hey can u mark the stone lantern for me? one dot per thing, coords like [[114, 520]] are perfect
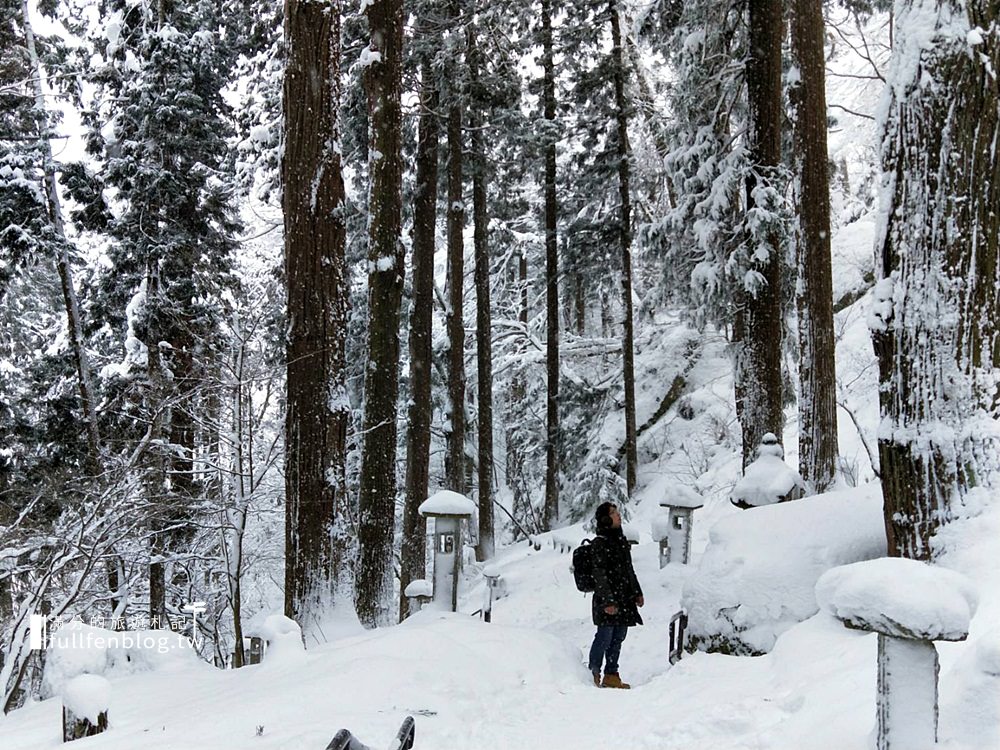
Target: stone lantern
[[674, 530], [910, 604], [768, 479], [419, 592], [448, 509]]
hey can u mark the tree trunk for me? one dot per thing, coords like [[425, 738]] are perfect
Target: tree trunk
[[317, 405], [553, 439], [74, 325], [625, 237], [377, 494], [156, 480], [455, 460], [936, 307], [817, 370], [580, 300], [421, 408], [521, 500], [484, 344], [758, 367]]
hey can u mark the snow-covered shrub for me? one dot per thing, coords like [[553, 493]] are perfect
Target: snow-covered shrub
[[78, 648], [758, 574]]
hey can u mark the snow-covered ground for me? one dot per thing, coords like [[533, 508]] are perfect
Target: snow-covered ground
[[521, 681]]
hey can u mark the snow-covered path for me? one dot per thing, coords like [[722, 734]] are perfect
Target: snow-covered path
[[521, 682]]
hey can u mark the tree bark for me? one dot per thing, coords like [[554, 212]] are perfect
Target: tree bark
[[758, 366], [377, 495], [936, 308], [418, 434], [625, 238], [317, 405], [484, 344], [553, 439], [817, 368], [455, 460]]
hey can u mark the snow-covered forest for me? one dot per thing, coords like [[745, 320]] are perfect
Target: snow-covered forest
[[325, 327]]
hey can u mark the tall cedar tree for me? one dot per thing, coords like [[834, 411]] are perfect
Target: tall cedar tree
[[172, 255], [317, 407], [553, 442], [625, 240], [758, 327], [421, 408], [481, 274], [817, 370], [455, 459], [377, 495], [938, 298]]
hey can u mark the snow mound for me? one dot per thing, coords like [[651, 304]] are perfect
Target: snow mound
[[900, 597], [758, 573], [767, 480], [87, 696], [987, 653], [77, 648]]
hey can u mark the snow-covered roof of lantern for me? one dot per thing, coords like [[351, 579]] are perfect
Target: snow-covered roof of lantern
[[659, 527], [680, 496], [631, 532], [900, 597], [447, 503], [765, 481], [665, 491], [419, 587]]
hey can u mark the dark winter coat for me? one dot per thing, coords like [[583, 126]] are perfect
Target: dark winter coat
[[614, 580]]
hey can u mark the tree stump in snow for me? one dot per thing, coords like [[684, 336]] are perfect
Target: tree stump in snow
[[75, 727], [910, 604], [85, 701]]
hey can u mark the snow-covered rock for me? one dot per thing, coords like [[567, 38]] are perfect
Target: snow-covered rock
[[758, 573], [900, 597], [87, 696]]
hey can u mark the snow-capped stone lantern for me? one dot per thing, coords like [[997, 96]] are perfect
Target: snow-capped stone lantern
[[673, 531], [448, 509], [768, 479], [419, 592], [910, 604]]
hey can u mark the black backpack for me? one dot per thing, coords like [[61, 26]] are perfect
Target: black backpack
[[583, 566]]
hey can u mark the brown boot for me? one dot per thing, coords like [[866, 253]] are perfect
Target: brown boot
[[614, 681], [597, 679]]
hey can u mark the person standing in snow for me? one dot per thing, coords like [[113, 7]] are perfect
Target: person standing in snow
[[617, 596]]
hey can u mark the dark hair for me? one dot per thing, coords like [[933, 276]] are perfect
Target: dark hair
[[602, 515]]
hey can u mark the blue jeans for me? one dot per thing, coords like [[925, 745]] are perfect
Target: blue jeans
[[606, 648]]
